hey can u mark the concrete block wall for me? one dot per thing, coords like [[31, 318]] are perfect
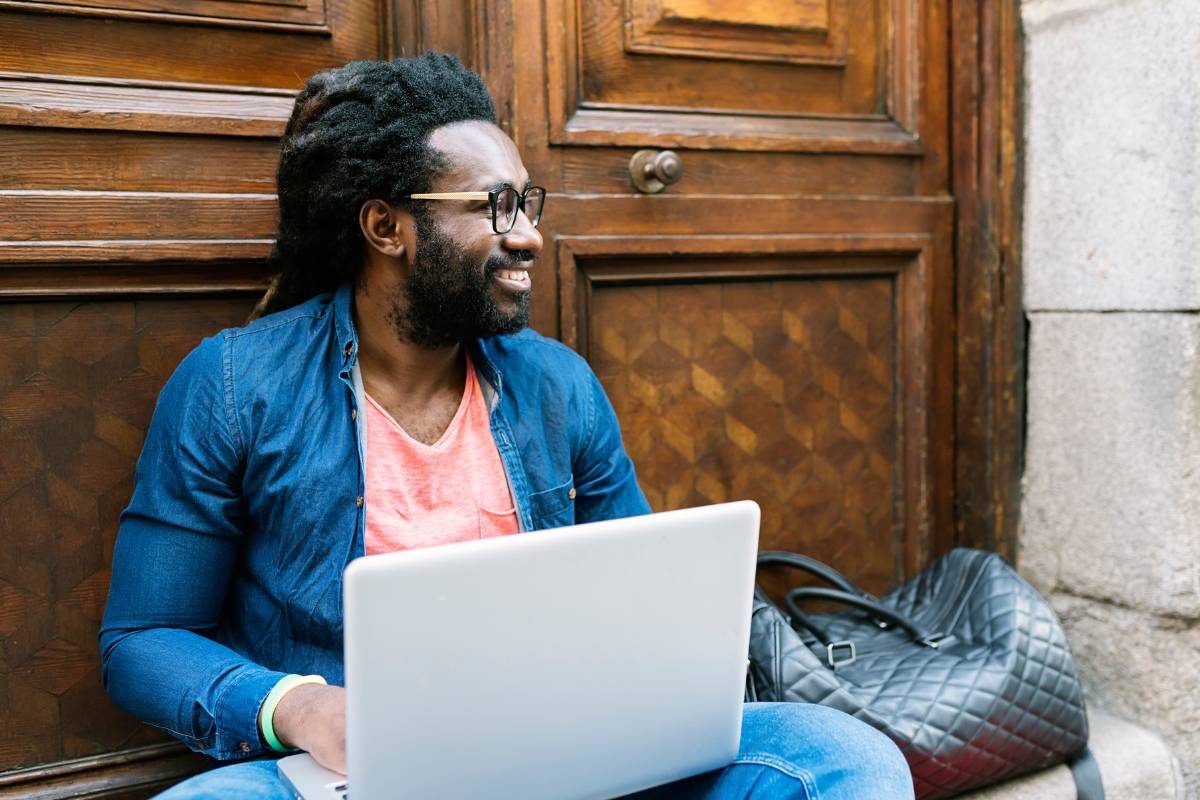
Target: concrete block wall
[[1111, 509]]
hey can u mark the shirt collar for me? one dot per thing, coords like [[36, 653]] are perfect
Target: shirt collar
[[347, 337], [485, 366], [343, 324]]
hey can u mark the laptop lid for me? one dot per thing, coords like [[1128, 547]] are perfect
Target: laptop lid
[[585, 662]]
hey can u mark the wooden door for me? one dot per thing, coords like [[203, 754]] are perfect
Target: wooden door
[[778, 324], [816, 315]]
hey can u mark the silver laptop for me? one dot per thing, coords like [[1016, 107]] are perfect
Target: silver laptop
[[586, 662]]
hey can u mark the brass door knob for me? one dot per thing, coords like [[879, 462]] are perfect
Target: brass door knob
[[654, 170]]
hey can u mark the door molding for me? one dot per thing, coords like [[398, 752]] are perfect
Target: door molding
[[986, 130]]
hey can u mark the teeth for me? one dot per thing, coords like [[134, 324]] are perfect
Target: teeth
[[513, 274]]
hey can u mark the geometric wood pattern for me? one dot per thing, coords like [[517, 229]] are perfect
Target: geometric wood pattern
[[780, 391], [78, 382], [800, 378]]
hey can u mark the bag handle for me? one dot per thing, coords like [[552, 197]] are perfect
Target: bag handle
[[813, 567], [918, 631]]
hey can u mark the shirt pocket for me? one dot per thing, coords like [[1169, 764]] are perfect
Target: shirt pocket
[[497, 523], [553, 508]]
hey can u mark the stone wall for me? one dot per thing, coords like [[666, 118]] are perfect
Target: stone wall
[[1111, 510]]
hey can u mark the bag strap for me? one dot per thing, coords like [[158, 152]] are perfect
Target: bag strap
[[1086, 773], [918, 631], [811, 566], [751, 694]]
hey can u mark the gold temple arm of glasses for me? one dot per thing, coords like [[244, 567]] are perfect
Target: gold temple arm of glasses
[[451, 196]]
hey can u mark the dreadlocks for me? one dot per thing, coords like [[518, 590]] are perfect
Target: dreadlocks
[[358, 133]]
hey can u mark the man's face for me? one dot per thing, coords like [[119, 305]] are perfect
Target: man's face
[[466, 280]]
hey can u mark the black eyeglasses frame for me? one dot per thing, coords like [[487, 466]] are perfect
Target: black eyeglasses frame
[[493, 198]]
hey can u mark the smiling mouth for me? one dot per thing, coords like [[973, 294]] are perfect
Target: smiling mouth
[[515, 280], [517, 275]]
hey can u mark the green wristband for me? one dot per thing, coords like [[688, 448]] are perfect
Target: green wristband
[[267, 717]]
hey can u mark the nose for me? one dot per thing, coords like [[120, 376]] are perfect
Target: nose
[[523, 236]]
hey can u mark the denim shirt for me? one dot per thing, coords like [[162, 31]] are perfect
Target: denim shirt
[[248, 505]]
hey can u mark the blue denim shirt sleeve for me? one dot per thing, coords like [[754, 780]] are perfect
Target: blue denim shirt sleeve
[[605, 483], [176, 553]]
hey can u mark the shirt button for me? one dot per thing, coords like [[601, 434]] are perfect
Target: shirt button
[[354, 413], [571, 494], [245, 747], [359, 501]]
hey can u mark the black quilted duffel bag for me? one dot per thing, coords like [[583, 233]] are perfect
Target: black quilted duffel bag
[[965, 667]]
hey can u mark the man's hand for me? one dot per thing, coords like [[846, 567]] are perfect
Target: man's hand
[[312, 717]]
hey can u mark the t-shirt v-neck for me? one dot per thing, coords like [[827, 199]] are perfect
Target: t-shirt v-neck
[[454, 490]]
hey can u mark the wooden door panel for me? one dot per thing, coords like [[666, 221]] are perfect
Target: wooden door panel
[[779, 391], [802, 32], [41, 227], [793, 370], [159, 46], [719, 41], [99, 103], [132, 161], [709, 218], [129, 216], [295, 14], [606, 170], [78, 382], [720, 224], [692, 73]]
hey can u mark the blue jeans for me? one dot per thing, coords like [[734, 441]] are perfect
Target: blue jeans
[[788, 750]]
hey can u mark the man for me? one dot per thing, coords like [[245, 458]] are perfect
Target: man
[[390, 398]]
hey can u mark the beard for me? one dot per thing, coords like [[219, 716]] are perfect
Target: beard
[[447, 298]]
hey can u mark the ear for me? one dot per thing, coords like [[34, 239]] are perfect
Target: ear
[[387, 229]]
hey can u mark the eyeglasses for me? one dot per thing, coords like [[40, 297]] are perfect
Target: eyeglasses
[[505, 203]]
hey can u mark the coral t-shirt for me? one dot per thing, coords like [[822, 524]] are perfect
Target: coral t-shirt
[[454, 490]]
